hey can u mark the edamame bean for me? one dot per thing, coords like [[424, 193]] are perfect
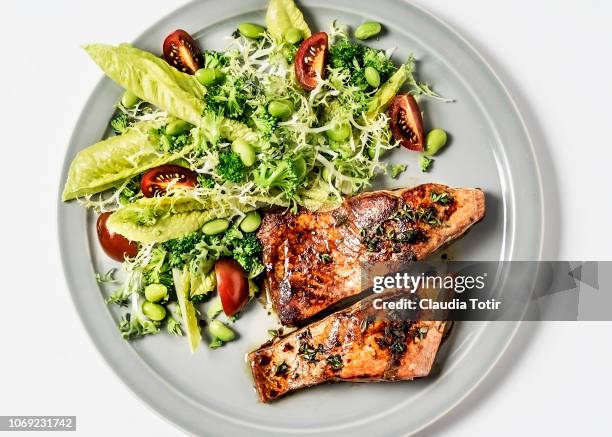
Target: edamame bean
[[221, 331], [154, 311], [129, 99], [250, 222], [367, 30], [155, 292], [436, 139], [339, 133], [372, 77], [209, 76], [251, 30], [294, 35], [176, 127], [215, 226], [280, 108], [372, 152], [245, 151]]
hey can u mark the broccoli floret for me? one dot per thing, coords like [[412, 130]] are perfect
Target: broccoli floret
[[397, 169], [214, 59], [130, 190], [281, 174], [378, 60], [344, 54], [120, 123], [425, 162], [354, 57], [247, 252], [229, 97], [264, 122], [205, 181], [179, 248], [231, 167]]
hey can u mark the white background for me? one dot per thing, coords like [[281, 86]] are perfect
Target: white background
[[554, 56]]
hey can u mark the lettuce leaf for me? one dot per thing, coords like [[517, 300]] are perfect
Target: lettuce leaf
[[188, 311], [159, 219], [282, 15], [386, 92], [152, 79], [109, 162]]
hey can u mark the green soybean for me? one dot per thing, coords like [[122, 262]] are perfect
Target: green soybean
[[367, 30], [245, 151], [251, 30], [221, 331], [372, 77], [154, 311], [209, 76], [129, 99], [436, 139], [339, 133], [294, 36], [280, 108], [155, 292], [176, 127], [215, 226], [250, 222], [372, 152]]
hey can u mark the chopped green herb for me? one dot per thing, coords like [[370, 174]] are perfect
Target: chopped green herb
[[281, 369], [441, 198], [425, 162], [335, 361]]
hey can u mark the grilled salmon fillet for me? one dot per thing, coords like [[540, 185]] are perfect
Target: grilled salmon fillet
[[315, 259], [359, 344]]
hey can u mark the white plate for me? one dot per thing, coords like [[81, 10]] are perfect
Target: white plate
[[210, 393]]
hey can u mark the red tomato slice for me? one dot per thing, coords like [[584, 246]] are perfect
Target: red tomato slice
[[406, 122], [182, 52], [232, 285], [114, 245], [311, 60], [158, 179]]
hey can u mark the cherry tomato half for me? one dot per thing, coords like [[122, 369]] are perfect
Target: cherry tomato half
[[232, 285], [311, 60], [406, 122], [158, 179], [182, 52], [115, 245]]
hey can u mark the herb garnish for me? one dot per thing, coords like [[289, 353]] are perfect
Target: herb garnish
[[281, 369], [441, 198], [324, 257], [335, 361]]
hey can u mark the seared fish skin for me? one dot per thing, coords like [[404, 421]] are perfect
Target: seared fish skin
[[314, 259], [358, 344]]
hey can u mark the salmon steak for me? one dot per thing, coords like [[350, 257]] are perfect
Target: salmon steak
[[362, 343], [315, 260]]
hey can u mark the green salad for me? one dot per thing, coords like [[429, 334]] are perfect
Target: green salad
[[206, 140]]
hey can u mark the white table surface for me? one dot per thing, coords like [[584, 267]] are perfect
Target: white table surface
[[553, 55]]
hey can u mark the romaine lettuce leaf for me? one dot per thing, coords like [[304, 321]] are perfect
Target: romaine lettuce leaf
[[386, 92], [159, 219], [282, 15], [152, 79], [109, 162], [188, 312]]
